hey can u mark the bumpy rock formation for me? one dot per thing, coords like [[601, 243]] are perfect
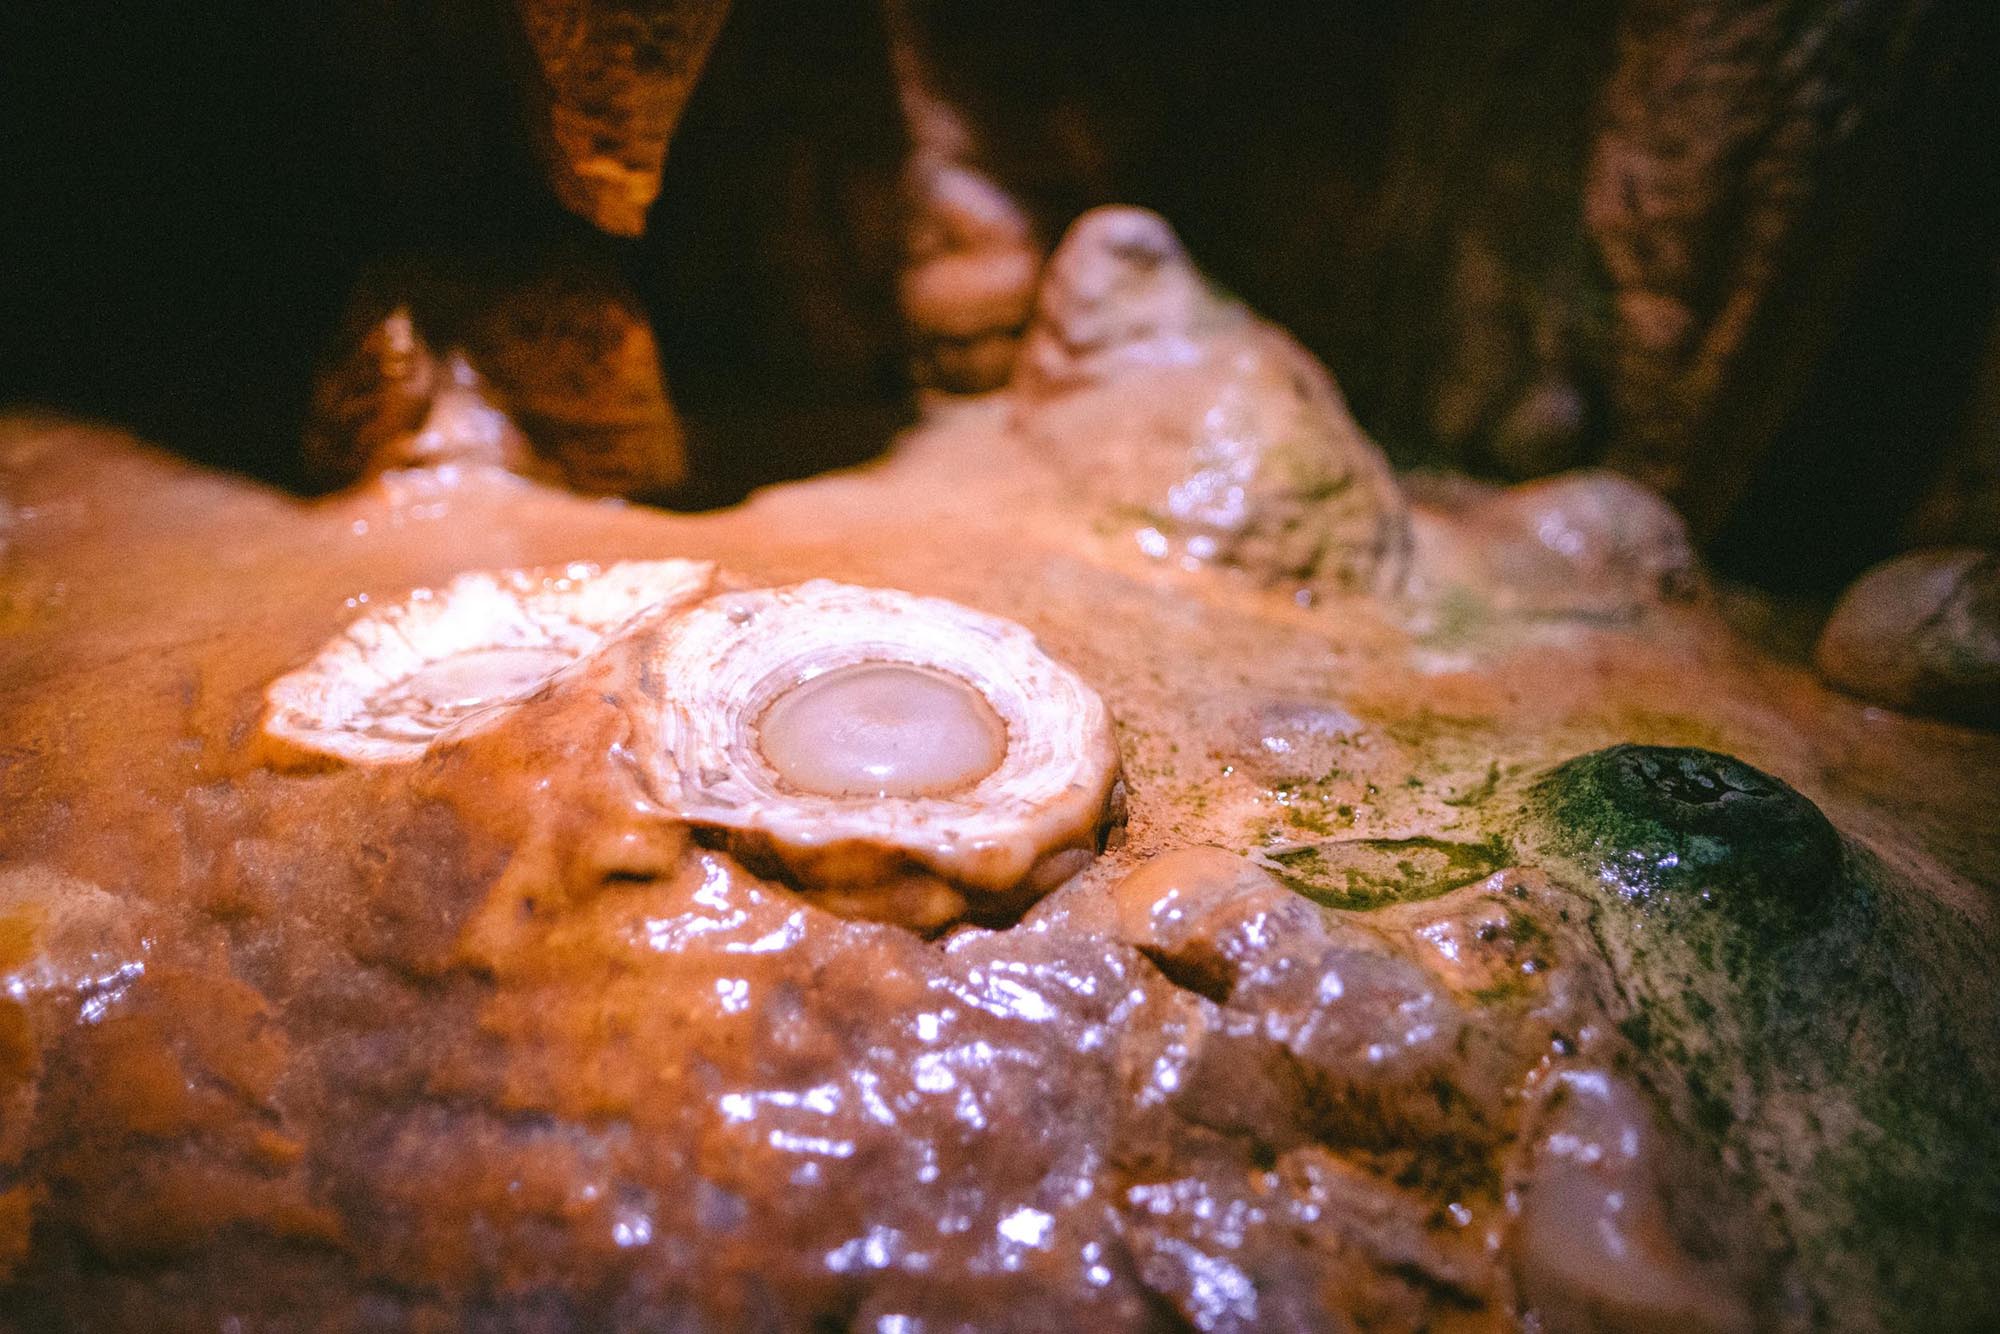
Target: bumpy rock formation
[[574, 358], [1737, 250], [1788, 997], [372, 397], [1922, 633], [1206, 431], [1596, 1241], [971, 257], [1670, 242], [548, 367], [551, 1016], [1705, 196], [1587, 541], [611, 78], [389, 403], [1665, 237]]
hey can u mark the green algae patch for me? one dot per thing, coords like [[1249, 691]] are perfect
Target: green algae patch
[[1462, 617], [1360, 874], [1696, 840], [1825, 1030], [1313, 806], [1480, 792]]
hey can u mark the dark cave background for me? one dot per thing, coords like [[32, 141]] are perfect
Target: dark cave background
[[186, 199]]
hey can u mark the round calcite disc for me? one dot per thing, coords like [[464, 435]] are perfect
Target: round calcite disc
[[882, 729]]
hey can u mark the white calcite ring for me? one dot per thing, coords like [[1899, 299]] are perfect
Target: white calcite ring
[[445, 660], [848, 733]]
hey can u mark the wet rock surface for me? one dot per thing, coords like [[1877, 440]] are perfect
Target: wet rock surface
[[1366, 1017], [1585, 541], [1827, 1033], [1207, 433]]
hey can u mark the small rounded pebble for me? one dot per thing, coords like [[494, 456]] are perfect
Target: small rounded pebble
[[1921, 633]]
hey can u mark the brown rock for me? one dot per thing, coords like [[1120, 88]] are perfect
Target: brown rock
[[1731, 148], [1590, 540], [389, 402], [545, 365], [1209, 433], [571, 355], [611, 78], [971, 256], [1921, 633], [374, 391]]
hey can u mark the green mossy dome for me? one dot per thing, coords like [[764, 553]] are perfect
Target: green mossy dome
[[1670, 824]]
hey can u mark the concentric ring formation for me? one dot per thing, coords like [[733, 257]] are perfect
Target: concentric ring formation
[[724, 664], [907, 758], [444, 660]]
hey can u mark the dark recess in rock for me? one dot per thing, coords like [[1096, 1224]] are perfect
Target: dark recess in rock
[[1745, 251]]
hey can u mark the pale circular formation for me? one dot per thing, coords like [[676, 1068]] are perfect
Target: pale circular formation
[[843, 730], [905, 754], [445, 660], [882, 730]]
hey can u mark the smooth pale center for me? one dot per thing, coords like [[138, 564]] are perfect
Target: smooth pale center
[[467, 681], [882, 729]]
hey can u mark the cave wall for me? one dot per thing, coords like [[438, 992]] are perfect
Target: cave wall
[[1745, 251]]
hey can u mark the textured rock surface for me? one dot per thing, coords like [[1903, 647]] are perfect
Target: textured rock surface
[[1207, 433], [1829, 1037], [1740, 250], [544, 364], [490, 1038], [1922, 633], [1727, 132], [610, 80], [1590, 541]]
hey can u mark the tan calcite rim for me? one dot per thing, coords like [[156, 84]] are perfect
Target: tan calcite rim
[[344, 705], [721, 664]]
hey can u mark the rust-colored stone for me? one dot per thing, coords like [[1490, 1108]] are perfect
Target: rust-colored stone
[[1728, 139], [496, 1032], [571, 355], [373, 392], [610, 79], [546, 366]]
